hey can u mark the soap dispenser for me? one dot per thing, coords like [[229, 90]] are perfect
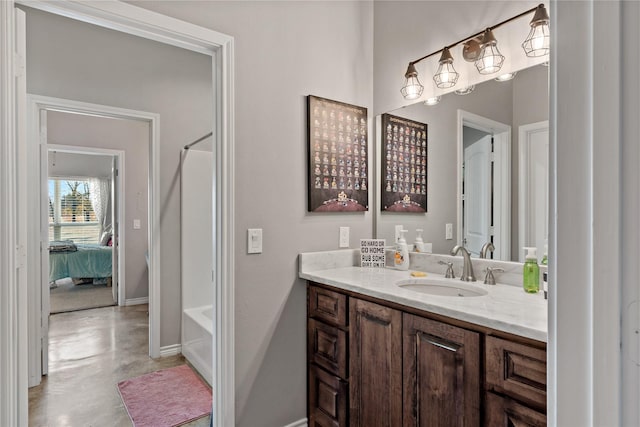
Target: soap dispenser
[[531, 272], [418, 245], [401, 256]]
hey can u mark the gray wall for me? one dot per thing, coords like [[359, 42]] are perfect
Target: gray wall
[[78, 165], [73, 60], [283, 52], [132, 137]]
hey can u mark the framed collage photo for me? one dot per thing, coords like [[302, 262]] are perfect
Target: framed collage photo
[[404, 165], [338, 156]]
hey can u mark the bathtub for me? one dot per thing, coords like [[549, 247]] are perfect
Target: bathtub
[[197, 339]]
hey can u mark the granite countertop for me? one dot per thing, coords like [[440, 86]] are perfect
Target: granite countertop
[[505, 308]]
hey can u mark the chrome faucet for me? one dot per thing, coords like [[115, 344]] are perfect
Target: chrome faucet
[[467, 267], [486, 247]]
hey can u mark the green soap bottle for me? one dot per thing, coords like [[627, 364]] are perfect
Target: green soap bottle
[[531, 272]]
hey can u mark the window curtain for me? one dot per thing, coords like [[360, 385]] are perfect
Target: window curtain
[[100, 195]]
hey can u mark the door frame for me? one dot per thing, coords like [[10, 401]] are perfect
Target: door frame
[[119, 155], [137, 21], [38, 304], [524, 184], [502, 179]]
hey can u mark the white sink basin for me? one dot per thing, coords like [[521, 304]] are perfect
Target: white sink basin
[[448, 288]]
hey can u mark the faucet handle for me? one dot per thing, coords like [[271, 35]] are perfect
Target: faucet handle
[[488, 278], [449, 274]]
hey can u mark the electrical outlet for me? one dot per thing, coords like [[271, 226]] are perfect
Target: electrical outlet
[[254, 240], [448, 231], [399, 229], [344, 237]]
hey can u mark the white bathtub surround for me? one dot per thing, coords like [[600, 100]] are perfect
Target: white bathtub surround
[[506, 307], [197, 339]]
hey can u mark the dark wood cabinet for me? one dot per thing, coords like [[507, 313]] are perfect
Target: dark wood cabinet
[[327, 398], [375, 362], [517, 370], [504, 412], [441, 374]]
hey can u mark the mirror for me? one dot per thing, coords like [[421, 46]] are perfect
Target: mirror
[[487, 163]]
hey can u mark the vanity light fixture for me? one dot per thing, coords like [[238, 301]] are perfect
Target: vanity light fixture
[[482, 49], [505, 77], [432, 101], [465, 91], [539, 38], [412, 88], [446, 76]]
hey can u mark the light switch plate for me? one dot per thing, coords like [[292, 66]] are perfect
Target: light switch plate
[[344, 237], [136, 224], [448, 231], [254, 240]]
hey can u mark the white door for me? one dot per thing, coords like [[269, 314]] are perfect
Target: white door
[[477, 195], [534, 186], [115, 206]]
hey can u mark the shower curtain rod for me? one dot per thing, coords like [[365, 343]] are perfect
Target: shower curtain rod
[[186, 147]]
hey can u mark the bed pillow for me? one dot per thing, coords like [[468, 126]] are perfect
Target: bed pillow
[[105, 238]]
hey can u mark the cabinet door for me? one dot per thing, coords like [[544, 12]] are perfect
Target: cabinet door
[[375, 364], [327, 399], [504, 412], [441, 374]]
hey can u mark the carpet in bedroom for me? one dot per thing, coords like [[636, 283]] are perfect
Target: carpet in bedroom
[[69, 297]]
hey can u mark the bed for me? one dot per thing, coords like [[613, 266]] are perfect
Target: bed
[[86, 261]]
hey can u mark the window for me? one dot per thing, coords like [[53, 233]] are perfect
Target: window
[[71, 215]]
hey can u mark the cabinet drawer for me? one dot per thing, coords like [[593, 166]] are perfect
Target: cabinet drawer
[[517, 370], [328, 306], [502, 411], [328, 347], [327, 399]]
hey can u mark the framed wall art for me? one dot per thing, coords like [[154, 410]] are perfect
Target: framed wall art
[[404, 165], [338, 156]]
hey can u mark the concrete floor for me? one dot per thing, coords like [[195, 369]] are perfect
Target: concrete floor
[[90, 351]]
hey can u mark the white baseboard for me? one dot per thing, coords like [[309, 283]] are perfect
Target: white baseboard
[[299, 423], [170, 350], [136, 301]]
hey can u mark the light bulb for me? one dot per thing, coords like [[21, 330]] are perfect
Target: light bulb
[[412, 88], [446, 76], [538, 41]]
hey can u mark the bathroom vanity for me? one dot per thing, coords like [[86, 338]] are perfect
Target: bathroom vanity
[[384, 354]]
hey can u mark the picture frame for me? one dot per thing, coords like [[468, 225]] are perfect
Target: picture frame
[[404, 165], [338, 156]]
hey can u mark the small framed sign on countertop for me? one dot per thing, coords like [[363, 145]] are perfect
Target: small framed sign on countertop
[[372, 253]]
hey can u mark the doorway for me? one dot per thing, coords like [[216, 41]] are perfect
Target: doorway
[[128, 19], [50, 121], [484, 184], [83, 197]]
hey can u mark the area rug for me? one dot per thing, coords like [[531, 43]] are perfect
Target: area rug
[[166, 398]]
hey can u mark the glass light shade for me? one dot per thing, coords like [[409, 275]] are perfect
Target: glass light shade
[[538, 41], [466, 90], [490, 59], [446, 76], [432, 101], [505, 77], [539, 38], [412, 88]]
